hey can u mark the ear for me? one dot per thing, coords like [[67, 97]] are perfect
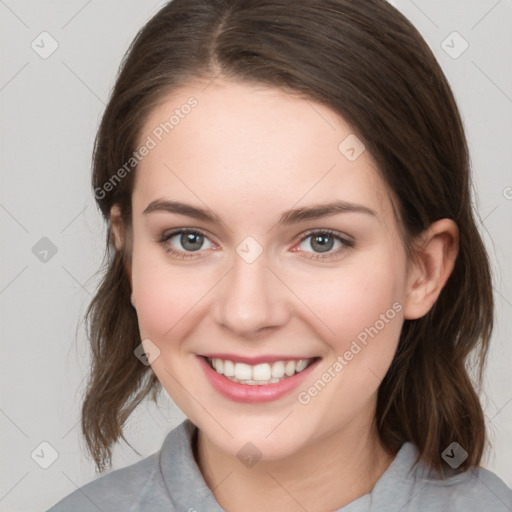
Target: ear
[[436, 254], [116, 223], [118, 236]]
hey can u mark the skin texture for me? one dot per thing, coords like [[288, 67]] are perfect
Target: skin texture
[[249, 153]]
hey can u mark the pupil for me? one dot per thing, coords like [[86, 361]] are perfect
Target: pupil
[[324, 247], [189, 239]]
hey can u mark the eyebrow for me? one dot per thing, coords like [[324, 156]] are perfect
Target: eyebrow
[[287, 218]]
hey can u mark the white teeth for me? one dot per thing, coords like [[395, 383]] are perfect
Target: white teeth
[[301, 365], [289, 369], [229, 368], [243, 371], [263, 373], [277, 370], [218, 364]]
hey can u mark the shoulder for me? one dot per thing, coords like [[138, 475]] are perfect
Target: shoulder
[[475, 490], [167, 481], [138, 486], [114, 491], [424, 489]]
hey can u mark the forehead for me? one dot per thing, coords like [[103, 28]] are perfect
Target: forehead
[[254, 147]]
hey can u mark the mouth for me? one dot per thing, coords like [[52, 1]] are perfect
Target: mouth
[[260, 374], [256, 380]]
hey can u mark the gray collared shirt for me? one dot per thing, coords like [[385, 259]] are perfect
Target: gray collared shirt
[[170, 481]]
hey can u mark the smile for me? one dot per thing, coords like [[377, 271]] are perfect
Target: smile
[[259, 374], [255, 380]]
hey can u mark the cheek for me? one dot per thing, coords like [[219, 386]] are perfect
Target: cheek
[[355, 299], [165, 294], [362, 306], [365, 312]]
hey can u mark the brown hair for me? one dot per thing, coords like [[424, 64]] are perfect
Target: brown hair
[[365, 61]]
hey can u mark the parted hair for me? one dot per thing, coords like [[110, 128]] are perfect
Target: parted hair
[[364, 60]]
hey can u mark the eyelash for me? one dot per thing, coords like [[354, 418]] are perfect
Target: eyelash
[[347, 244]]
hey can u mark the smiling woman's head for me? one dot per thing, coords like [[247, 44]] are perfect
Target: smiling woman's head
[[238, 122]]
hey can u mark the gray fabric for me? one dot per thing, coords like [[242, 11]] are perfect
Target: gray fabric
[[170, 481]]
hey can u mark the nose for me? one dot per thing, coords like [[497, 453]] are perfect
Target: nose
[[251, 299]]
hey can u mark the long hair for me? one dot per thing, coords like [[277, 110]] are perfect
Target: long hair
[[365, 61]]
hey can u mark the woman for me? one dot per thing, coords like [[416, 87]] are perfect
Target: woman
[[294, 258]]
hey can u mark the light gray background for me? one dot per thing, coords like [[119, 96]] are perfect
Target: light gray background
[[50, 110]]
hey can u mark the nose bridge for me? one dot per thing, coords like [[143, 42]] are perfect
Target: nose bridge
[[251, 298]]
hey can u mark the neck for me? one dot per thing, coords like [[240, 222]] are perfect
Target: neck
[[325, 475]]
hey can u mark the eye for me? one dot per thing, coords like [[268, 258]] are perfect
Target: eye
[[190, 240], [183, 243], [323, 241]]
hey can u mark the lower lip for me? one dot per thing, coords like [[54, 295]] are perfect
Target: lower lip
[[256, 393]]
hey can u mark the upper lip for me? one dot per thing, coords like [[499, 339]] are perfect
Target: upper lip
[[256, 359]]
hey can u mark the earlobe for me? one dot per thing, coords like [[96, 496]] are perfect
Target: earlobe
[[435, 260], [118, 238], [116, 227]]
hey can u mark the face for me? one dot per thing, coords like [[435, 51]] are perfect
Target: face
[[251, 283]]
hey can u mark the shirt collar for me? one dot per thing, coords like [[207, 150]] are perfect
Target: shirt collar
[[183, 479], [187, 489]]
